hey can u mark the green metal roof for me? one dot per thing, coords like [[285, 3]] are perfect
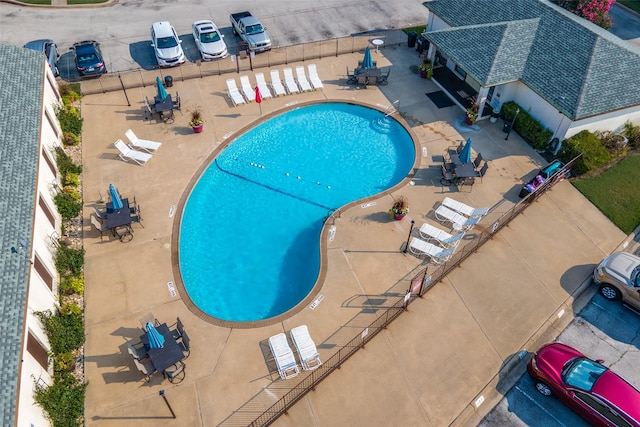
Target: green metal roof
[[580, 68], [21, 91]]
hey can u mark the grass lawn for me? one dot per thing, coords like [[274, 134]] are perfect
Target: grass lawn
[[615, 192], [45, 2]]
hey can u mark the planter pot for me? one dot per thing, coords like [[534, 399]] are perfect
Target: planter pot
[[468, 120], [198, 129], [423, 74], [398, 217]]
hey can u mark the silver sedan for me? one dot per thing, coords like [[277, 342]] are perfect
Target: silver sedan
[[208, 40], [619, 278]]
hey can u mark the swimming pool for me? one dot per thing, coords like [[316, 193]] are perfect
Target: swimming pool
[[249, 245]]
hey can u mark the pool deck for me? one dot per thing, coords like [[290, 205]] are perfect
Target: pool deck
[[428, 368]]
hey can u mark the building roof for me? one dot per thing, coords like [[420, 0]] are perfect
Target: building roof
[[565, 59], [21, 93]]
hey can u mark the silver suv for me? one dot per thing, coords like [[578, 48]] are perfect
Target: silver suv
[[166, 44], [619, 278], [50, 50]]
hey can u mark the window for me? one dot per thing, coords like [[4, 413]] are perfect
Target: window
[[460, 72], [52, 123], [603, 409], [43, 272], [45, 208], [37, 350], [49, 162]]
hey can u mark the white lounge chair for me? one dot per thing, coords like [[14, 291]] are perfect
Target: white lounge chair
[[460, 222], [289, 81], [437, 254], [276, 83], [285, 360], [248, 91], [234, 93], [127, 153], [429, 232], [306, 348], [262, 85], [302, 80], [143, 144], [314, 78], [464, 209]]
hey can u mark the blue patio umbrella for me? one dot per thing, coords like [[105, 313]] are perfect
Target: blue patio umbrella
[[162, 93], [156, 340], [367, 61], [115, 197], [465, 154]]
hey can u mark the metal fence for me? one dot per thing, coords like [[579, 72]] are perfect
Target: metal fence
[[240, 61], [420, 284]]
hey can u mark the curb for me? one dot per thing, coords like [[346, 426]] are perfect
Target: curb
[[108, 3]]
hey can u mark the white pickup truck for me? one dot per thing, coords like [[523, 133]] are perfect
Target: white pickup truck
[[248, 27]]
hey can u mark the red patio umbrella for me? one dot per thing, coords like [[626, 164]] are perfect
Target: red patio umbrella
[[259, 98]]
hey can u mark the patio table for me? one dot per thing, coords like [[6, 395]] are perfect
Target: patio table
[[164, 107], [169, 354], [119, 218]]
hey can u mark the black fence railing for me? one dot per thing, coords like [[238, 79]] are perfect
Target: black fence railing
[[419, 285]]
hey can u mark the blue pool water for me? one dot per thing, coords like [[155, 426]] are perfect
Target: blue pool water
[[249, 236]]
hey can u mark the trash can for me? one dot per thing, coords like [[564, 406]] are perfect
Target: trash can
[[421, 44], [411, 38], [506, 127], [168, 81]]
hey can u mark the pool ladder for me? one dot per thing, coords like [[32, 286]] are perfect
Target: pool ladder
[[333, 214], [393, 108]]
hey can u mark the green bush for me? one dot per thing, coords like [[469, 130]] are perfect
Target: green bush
[[67, 205], [63, 401], [594, 155], [530, 129], [70, 308], [70, 178], [69, 118], [65, 331], [70, 90], [63, 362], [632, 132], [72, 285], [69, 261], [69, 138], [65, 164]]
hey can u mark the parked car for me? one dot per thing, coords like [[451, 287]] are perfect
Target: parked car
[[89, 60], [50, 50], [586, 386], [208, 40], [619, 278], [166, 44]]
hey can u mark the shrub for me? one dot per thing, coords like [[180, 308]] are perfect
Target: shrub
[[632, 132], [69, 118], [70, 308], [70, 178], [63, 362], [69, 90], [63, 401], [72, 285], [69, 138], [68, 206], [613, 142], [69, 261], [593, 152], [530, 129], [65, 331], [65, 164]]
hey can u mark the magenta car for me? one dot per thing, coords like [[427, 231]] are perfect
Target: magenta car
[[591, 389]]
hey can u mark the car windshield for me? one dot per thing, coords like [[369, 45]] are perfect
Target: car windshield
[[582, 373], [87, 58], [635, 276], [166, 42], [254, 29], [209, 37]]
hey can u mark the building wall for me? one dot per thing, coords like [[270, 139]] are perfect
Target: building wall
[[40, 297]]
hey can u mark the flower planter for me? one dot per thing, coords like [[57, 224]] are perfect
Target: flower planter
[[423, 74], [198, 128], [399, 217], [468, 120]]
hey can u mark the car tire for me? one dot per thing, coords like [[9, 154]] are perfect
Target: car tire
[[543, 388], [610, 292]]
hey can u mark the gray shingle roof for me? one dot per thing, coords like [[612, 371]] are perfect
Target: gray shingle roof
[[21, 91], [578, 67]]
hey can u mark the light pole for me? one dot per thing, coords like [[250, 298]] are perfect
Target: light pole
[[511, 126], [406, 246]]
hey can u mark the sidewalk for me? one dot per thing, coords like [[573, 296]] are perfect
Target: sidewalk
[[428, 368]]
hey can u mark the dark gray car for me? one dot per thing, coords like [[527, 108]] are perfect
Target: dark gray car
[[50, 50]]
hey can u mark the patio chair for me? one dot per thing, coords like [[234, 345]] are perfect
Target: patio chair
[[148, 318], [384, 77], [178, 331], [301, 77], [467, 180], [314, 78], [185, 344], [175, 373], [146, 367], [248, 91], [234, 94], [447, 175], [483, 170], [137, 350], [477, 161], [127, 153], [285, 360], [276, 83], [435, 253], [459, 222], [177, 104], [464, 209], [262, 85], [102, 216], [351, 77], [429, 232], [306, 348], [142, 144], [289, 81], [147, 115], [102, 228], [361, 79]]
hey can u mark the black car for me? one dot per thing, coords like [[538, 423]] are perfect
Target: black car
[[89, 60], [50, 50]]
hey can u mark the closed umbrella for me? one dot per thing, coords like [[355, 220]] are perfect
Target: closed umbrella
[[465, 154], [259, 98], [115, 197], [162, 93], [156, 339], [367, 61]]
